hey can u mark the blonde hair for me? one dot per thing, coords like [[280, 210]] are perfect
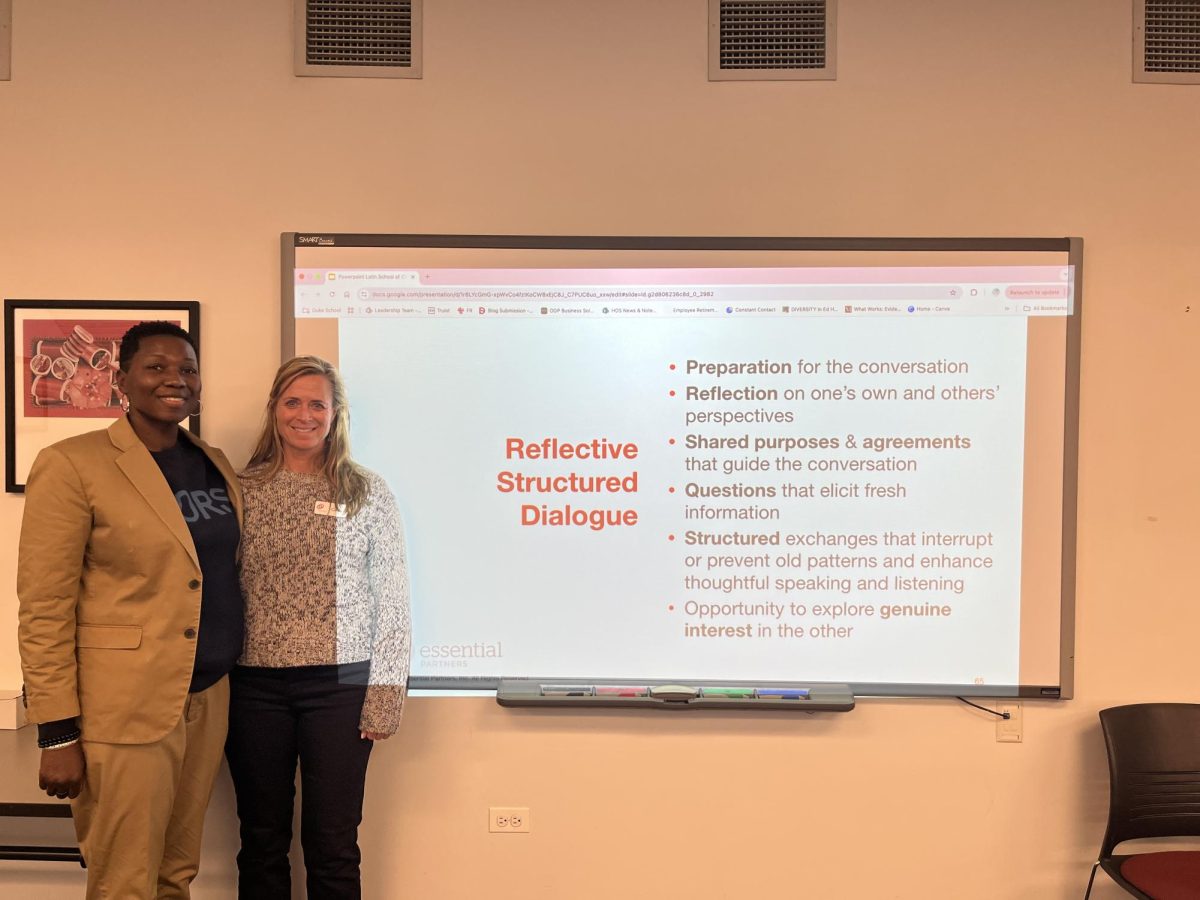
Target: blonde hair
[[345, 477]]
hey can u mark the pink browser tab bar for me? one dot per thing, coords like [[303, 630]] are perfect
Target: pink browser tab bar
[[1036, 291]]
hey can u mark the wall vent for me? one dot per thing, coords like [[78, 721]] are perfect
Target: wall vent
[[358, 38], [1166, 41], [5, 40], [769, 40]]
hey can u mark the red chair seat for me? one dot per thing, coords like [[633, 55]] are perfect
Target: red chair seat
[[1172, 875]]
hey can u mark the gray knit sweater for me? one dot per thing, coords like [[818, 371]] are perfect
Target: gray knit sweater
[[323, 589]]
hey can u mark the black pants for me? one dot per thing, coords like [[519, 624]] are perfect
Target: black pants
[[279, 716]]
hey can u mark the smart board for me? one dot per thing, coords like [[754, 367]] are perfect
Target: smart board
[[717, 460]]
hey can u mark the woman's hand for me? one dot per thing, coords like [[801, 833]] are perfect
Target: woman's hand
[[62, 770], [374, 736]]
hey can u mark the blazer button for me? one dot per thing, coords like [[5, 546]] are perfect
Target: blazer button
[[193, 584], [189, 633]]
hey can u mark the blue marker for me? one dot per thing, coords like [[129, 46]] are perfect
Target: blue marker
[[781, 693]]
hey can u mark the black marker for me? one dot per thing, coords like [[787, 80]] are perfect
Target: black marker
[[567, 690]]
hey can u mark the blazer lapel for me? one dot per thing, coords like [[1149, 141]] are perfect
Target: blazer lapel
[[146, 477]]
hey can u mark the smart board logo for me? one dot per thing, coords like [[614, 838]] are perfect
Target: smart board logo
[[315, 239]]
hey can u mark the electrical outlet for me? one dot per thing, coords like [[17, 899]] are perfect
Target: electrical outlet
[[1008, 731], [509, 819]]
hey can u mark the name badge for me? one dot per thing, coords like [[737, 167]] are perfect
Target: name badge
[[324, 508]]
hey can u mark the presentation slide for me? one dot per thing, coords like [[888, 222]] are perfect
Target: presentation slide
[[733, 474]]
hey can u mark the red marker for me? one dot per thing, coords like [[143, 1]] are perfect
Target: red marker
[[622, 690]]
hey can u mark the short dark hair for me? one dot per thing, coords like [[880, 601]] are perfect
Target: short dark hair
[[132, 339]]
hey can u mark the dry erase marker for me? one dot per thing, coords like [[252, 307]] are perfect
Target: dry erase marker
[[781, 693], [727, 693], [622, 690], [566, 690]]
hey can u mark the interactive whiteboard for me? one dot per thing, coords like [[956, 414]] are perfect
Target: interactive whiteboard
[[717, 459]]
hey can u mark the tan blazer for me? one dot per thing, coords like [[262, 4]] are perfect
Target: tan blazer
[[109, 587]]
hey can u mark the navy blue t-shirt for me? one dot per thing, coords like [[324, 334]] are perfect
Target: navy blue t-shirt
[[203, 498]]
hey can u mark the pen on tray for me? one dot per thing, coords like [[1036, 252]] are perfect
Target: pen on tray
[[566, 690], [622, 690], [727, 693], [781, 693]]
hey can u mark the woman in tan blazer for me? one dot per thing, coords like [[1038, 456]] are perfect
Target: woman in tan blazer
[[130, 620]]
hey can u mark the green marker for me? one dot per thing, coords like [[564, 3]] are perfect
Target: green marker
[[727, 693]]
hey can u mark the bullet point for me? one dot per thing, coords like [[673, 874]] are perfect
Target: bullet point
[[670, 490], [670, 607], [672, 367], [672, 393], [670, 440], [670, 537]]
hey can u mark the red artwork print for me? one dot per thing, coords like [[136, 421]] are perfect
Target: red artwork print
[[69, 365]]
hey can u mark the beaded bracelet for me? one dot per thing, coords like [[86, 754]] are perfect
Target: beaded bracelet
[[65, 740]]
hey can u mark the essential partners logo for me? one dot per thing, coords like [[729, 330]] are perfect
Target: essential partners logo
[[458, 656]]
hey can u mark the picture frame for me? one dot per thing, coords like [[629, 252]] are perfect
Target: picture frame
[[59, 358]]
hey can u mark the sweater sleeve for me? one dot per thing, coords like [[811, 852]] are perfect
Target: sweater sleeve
[[387, 575]]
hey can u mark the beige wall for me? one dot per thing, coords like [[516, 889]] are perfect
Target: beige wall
[[156, 148]]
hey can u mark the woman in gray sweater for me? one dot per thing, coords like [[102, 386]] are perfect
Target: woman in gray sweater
[[325, 665]]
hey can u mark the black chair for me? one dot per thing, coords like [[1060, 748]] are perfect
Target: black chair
[[1154, 791]]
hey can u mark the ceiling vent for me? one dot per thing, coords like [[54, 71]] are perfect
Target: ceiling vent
[[358, 38], [770, 40], [1166, 41], [5, 40]]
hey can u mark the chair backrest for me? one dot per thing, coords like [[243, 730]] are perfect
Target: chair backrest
[[1154, 771]]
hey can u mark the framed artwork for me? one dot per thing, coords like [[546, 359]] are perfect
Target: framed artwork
[[59, 360]]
